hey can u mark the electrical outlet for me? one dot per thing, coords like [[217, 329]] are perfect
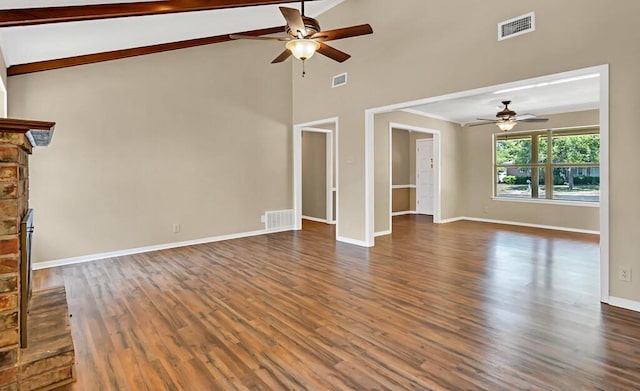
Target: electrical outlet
[[263, 219], [176, 228], [624, 273]]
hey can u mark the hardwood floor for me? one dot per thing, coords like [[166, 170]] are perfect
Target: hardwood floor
[[460, 306]]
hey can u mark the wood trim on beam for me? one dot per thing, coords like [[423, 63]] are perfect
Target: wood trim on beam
[[48, 65], [32, 16], [14, 125]]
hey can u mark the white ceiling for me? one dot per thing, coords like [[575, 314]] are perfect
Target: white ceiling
[[551, 96], [26, 44]]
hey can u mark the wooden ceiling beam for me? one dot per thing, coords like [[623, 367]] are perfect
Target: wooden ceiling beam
[[124, 53], [33, 16]]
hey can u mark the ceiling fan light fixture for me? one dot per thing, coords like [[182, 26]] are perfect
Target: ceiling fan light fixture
[[505, 126], [302, 49]]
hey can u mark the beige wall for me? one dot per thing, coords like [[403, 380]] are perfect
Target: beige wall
[[400, 146], [314, 174], [401, 200], [450, 144], [477, 149], [200, 137], [455, 49]]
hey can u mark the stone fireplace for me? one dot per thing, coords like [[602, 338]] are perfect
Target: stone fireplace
[[36, 349], [26, 270]]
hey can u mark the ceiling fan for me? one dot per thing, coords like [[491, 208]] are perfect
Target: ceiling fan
[[506, 119], [304, 37]]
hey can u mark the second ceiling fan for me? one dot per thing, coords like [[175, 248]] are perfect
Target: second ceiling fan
[[506, 118], [304, 37]]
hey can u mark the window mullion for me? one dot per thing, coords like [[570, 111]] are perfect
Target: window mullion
[[548, 179], [535, 181]]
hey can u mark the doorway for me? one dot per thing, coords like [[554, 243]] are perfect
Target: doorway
[[328, 129], [521, 85], [317, 175], [404, 174]]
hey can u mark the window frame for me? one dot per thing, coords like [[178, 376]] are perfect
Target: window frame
[[548, 166]]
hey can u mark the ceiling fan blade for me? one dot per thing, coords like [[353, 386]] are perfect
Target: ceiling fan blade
[[522, 117], [333, 53], [487, 119], [240, 36], [345, 32], [294, 20], [534, 120], [283, 56], [487, 122]]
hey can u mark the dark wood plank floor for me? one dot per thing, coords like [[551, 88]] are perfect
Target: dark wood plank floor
[[461, 306]]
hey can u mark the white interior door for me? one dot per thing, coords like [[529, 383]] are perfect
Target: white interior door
[[424, 176]]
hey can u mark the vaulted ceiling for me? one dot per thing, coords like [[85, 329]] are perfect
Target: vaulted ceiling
[[47, 34], [38, 35]]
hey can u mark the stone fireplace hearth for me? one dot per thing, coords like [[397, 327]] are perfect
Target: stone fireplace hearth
[[36, 348]]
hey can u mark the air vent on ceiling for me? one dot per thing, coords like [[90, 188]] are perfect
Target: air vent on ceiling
[[517, 26], [339, 80]]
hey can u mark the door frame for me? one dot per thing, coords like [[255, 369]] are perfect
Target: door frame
[[329, 176], [437, 206], [314, 126]]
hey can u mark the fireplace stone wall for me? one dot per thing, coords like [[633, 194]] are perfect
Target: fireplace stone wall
[[47, 360], [14, 195]]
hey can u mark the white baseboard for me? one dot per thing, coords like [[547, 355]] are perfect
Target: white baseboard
[[94, 257], [316, 219], [505, 222], [404, 212], [356, 242], [451, 220], [624, 303], [382, 233], [553, 227], [139, 250]]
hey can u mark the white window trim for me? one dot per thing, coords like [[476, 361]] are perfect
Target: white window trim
[[547, 202]]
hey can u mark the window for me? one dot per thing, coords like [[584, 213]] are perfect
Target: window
[[557, 164]]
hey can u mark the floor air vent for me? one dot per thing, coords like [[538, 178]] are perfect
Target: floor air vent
[[517, 26], [279, 219]]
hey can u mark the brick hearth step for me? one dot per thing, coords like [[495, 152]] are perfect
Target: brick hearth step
[[48, 361]]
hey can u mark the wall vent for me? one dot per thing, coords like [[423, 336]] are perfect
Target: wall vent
[[339, 80], [279, 219], [517, 26]]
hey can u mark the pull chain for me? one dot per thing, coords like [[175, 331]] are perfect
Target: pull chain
[[303, 70]]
